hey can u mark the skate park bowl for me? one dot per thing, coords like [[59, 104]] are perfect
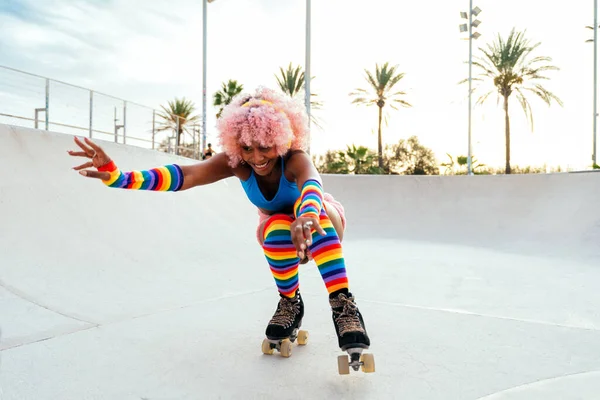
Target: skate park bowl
[[471, 287]]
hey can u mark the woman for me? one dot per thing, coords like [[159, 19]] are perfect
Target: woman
[[208, 152], [263, 141]]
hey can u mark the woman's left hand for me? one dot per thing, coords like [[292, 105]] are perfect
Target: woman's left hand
[[302, 233]]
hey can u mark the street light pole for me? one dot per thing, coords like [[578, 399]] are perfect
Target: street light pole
[[204, 18], [469, 164], [307, 69], [595, 123], [469, 28]]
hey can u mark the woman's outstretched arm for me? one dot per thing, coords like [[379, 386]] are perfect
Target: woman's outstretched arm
[[166, 178]]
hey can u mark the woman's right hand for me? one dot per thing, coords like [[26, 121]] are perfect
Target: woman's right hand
[[301, 230], [97, 156]]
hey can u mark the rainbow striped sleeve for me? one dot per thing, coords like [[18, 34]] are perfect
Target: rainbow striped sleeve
[[311, 199], [163, 179]]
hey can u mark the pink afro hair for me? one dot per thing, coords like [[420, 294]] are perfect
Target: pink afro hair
[[268, 118]]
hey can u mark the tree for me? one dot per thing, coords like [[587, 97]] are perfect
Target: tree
[[178, 117], [228, 91], [409, 157], [355, 160], [362, 160], [333, 162], [507, 65], [380, 93], [462, 162], [291, 82], [406, 157]]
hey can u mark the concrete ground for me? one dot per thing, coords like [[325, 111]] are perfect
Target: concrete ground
[[472, 287]]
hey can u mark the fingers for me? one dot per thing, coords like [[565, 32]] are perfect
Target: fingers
[[88, 164], [297, 236], [308, 226], [93, 145], [88, 151], [77, 153], [302, 233], [319, 228], [301, 250], [99, 157], [95, 174], [298, 239], [95, 153], [306, 231]]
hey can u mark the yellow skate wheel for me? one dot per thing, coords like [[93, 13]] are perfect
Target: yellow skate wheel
[[368, 363], [343, 365], [302, 337], [266, 347], [286, 348]]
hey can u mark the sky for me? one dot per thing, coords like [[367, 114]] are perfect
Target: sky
[[151, 52]]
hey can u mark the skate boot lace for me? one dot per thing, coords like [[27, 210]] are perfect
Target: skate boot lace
[[286, 312], [347, 320]]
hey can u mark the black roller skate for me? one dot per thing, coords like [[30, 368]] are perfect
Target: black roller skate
[[284, 327], [352, 334]]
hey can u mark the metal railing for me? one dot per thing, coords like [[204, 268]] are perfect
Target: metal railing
[[36, 101]]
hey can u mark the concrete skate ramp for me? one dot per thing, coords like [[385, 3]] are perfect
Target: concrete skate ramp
[[471, 287]]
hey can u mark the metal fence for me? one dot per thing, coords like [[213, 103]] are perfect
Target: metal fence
[[31, 100]]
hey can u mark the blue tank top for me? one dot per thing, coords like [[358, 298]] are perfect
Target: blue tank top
[[286, 195]]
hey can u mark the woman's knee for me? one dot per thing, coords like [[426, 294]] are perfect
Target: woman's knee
[[336, 220], [261, 231]]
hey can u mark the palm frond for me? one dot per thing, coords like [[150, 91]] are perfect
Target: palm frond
[[359, 92], [401, 102], [373, 82], [545, 94], [525, 106], [484, 97], [364, 100], [539, 59], [488, 70], [226, 94], [291, 80]]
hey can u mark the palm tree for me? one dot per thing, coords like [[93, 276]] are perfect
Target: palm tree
[[224, 96], [177, 117], [291, 82], [507, 65], [380, 93]]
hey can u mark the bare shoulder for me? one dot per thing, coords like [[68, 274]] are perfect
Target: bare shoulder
[[298, 160], [301, 166], [298, 156]]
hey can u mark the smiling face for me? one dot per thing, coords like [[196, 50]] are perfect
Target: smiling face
[[262, 159]]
